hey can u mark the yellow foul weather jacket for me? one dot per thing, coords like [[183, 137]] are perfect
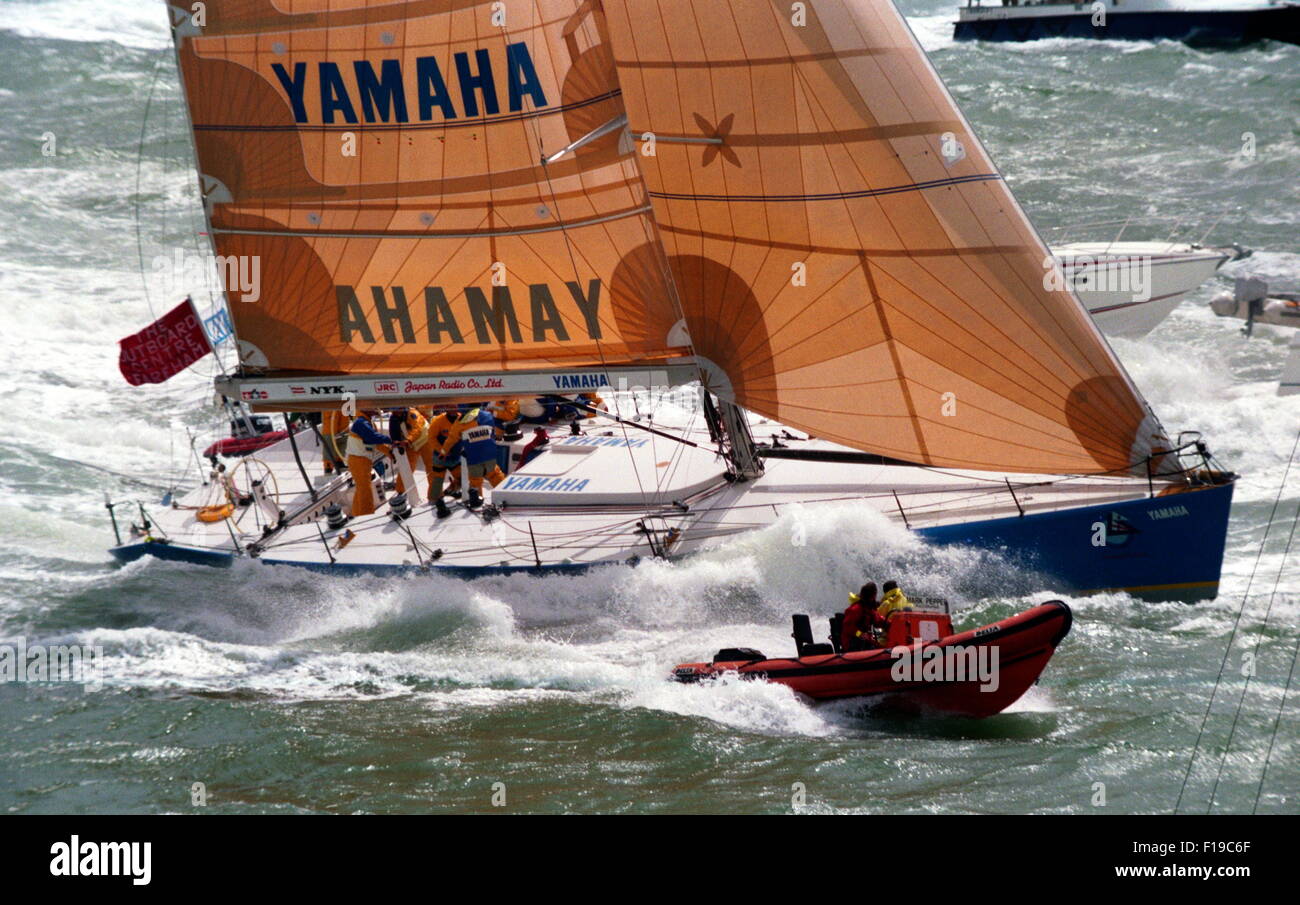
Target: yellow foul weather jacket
[[893, 602]]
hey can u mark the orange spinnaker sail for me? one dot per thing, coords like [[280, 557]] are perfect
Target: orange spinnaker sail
[[381, 162], [846, 253]]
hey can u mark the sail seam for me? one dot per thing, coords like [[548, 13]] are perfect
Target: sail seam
[[409, 234], [890, 344], [398, 127], [833, 196]]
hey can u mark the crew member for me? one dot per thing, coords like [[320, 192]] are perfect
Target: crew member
[[857, 632], [365, 445], [334, 438], [892, 602], [538, 410], [439, 464], [592, 401], [506, 411], [473, 437], [411, 426]]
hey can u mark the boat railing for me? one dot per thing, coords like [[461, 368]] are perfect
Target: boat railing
[[1149, 230], [1189, 461]]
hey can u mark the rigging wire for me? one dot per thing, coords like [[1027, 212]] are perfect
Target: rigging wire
[[1191, 762], [139, 180], [1277, 721], [1259, 638], [1227, 748], [216, 365], [1255, 655]]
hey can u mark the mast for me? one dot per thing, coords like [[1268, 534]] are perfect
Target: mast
[[729, 428], [738, 442]]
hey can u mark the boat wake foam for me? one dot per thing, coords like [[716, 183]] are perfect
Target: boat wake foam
[[609, 636]]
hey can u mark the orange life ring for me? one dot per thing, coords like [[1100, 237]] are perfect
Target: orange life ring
[[215, 513]]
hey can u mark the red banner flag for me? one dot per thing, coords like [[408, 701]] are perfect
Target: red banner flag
[[165, 347]]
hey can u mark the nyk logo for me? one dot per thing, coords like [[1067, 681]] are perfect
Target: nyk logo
[[103, 859], [327, 391]]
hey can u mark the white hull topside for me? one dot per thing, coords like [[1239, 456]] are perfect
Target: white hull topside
[[613, 494], [1130, 287]]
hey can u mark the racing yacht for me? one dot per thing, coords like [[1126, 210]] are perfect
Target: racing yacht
[[454, 204]]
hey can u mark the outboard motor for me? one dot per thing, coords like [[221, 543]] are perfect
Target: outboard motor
[[837, 632], [803, 638], [737, 654], [250, 426]]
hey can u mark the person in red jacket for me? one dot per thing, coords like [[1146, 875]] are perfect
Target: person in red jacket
[[860, 619]]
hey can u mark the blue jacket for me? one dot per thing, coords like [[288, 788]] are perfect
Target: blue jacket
[[366, 431], [477, 440]]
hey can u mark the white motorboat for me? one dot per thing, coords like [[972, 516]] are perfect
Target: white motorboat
[[1130, 287]]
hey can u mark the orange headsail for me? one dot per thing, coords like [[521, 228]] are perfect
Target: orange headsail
[[381, 162], [845, 253]]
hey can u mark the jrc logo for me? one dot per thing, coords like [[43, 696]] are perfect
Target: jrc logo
[[1113, 532], [387, 386]]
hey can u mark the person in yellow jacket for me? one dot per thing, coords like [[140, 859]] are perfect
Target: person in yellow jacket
[[365, 445], [334, 437], [422, 434], [893, 601], [505, 410]]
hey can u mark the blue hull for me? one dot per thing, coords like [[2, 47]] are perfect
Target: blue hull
[[1200, 29], [1166, 548], [131, 552]]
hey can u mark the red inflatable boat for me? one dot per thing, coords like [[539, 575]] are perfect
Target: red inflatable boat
[[242, 446], [923, 668]]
